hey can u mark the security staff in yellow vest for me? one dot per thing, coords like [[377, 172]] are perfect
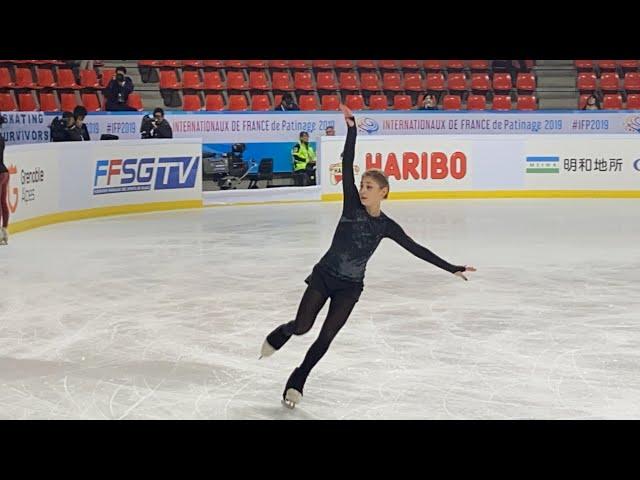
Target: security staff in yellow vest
[[304, 162]]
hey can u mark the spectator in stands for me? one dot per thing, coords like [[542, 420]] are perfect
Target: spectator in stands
[[117, 92], [429, 103], [304, 162], [330, 131], [78, 131], [287, 103], [592, 103], [161, 127]]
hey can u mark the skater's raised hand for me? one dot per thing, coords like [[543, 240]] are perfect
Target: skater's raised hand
[[348, 115], [466, 269]]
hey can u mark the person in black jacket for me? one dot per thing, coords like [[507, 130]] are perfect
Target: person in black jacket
[[287, 103], [60, 128], [78, 132], [340, 272], [161, 127], [117, 92]]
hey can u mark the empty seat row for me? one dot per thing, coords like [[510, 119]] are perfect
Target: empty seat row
[[45, 78], [57, 101]]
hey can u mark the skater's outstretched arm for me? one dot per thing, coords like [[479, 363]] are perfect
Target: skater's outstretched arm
[[397, 234], [349, 190]]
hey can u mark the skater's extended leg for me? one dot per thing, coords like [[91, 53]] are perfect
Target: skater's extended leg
[[310, 305], [339, 311]]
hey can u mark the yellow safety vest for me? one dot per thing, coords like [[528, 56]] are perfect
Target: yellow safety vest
[[302, 155]]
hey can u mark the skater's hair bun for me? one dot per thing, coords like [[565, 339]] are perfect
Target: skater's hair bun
[[379, 177]]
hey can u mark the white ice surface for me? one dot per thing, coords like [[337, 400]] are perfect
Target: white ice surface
[[162, 315]]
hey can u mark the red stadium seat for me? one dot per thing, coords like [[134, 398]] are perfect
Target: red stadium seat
[[278, 64], [413, 82], [410, 64], [191, 80], [435, 82], [193, 63], [213, 80], [281, 81], [105, 77], [257, 64], [632, 82], [370, 81], [236, 81], [26, 102], [480, 82], [479, 66], [260, 103], [148, 63], [344, 65], [330, 102], [322, 64], [433, 65], [24, 78], [213, 64], [258, 81], [402, 102], [378, 102], [235, 64], [135, 101], [7, 103], [46, 80], [583, 100], [586, 82], [455, 65], [349, 81], [214, 102], [355, 102], [308, 102], [191, 102], [391, 81], [609, 82], [169, 63], [633, 102], [5, 78], [68, 101], [583, 65], [388, 64], [238, 102], [476, 102], [451, 102], [326, 81], [527, 102], [456, 82], [501, 102], [607, 65], [612, 102], [168, 79], [366, 64], [48, 102], [526, 82], [303, 81], [91, 102], [88, 78], [299, 64], [502, 82]]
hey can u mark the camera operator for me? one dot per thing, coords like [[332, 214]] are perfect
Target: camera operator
[[117, 92], [157, 127], [78, 131], [60, 128]]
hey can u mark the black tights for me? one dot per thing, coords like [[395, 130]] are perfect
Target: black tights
[[312, 302]]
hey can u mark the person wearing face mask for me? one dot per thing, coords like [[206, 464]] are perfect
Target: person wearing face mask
[[118, 91], [304, 162], [78, 131]]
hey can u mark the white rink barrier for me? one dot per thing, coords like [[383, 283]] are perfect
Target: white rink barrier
[[475, 166], [57, 182]]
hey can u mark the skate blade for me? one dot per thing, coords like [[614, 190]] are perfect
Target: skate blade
[[267, 350]]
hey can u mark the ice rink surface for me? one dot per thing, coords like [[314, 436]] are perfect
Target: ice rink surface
[[162, 315]]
